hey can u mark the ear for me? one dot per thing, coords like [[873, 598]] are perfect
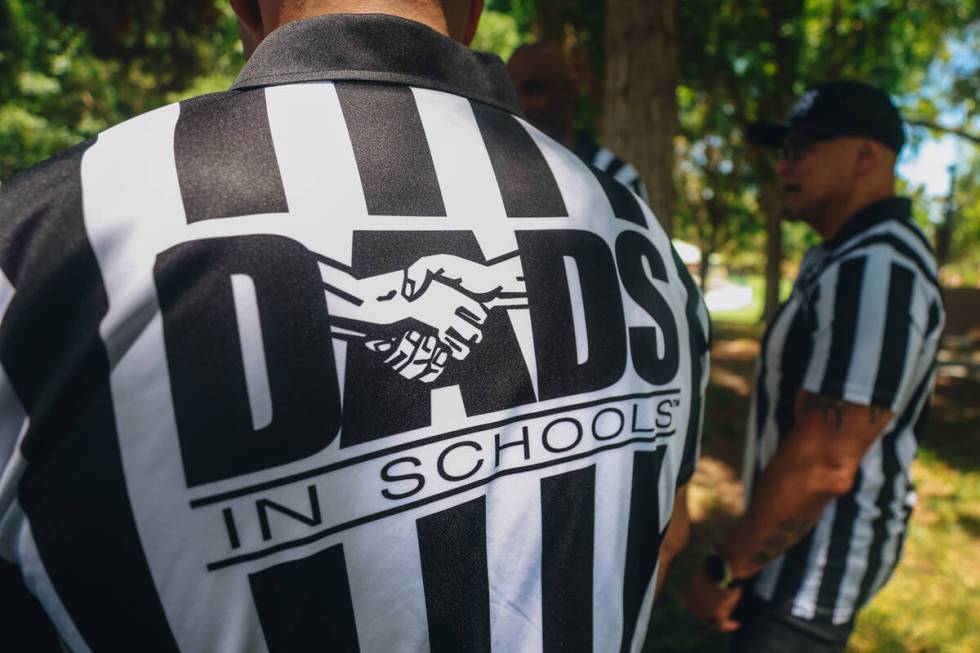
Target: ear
[[249, 16], [476, 9], [868, 157]]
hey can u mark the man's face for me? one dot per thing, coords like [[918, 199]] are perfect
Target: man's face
[[816, 174], [545, 94]]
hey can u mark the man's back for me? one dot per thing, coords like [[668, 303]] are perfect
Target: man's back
[[348, 354]]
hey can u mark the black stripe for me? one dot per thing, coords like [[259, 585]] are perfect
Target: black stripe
[[614, 166], [392, 152], [453, 551], [793, 569], [762, 399], [567, 540], [527, 185], [643, 537], [898, 245], [847, 300], [699, 345], [306, 604], [797, 348], [73, 489], [225, 157], [841, 533], [891, 364], [934, 316], [891, 467], [624, 205], [24, 620]]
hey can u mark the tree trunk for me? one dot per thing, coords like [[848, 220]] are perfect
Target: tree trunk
[[640, 105], [770, 202]]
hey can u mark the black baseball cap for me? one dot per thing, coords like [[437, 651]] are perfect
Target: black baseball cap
[[841, 108]]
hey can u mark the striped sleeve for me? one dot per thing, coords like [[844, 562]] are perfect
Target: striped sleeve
[[699, 332], [871, 312]]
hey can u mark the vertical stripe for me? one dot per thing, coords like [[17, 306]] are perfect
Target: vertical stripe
[[453, 550], [847, 298], [805, 600], [890, 469], [862, 533], [527, 185], [793, 569], [624, 205], [821, 307], [392, 153], [891, 366], [698, 346], [844, 518], [797, 347], [306, 603], [73, 489], [226, 162], [568, 523], [642, 539], [514, 539], [386, 585], [612, 482], [869, 326]]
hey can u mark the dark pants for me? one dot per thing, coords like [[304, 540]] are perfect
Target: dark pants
[[771, 628]]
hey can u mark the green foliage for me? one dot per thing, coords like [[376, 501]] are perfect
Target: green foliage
[[71, 68], [750, 59], [499, 33]]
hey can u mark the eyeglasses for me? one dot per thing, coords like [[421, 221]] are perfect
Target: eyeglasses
[[797, 146]]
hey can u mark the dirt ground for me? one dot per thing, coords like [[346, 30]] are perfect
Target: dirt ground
[[716, 490]]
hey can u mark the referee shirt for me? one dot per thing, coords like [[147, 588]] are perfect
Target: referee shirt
[[349, 356], [863, 324], [606, 160]]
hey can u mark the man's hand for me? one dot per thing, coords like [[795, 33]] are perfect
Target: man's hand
[[711, 604], [413, 356], [371, 306], [500, 284]]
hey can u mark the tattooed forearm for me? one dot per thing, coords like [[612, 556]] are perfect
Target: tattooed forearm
[[876, 414], [829, 408], [790, 530]]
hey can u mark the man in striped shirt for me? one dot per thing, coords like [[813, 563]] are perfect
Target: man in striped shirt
[[844, 379], [348, 357], [547, 93]]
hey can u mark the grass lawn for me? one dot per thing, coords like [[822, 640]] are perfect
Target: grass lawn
[[932, 603]]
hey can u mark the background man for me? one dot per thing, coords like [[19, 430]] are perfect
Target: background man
[[547, 93], [843, 385], [349, 357]]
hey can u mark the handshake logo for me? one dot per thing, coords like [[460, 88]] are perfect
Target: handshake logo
[[419, 318]]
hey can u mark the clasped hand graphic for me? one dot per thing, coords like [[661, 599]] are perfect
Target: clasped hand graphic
[[418, 318]]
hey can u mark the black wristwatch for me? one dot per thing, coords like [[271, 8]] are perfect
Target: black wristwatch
[[719, 572]]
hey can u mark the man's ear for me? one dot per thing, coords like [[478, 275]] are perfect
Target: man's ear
[[476, 9], [250, 27], [869, 156]]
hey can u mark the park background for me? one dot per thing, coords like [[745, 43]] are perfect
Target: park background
[[669, 85]]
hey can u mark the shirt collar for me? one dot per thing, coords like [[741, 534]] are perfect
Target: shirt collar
[[377, 48], [890, 208]]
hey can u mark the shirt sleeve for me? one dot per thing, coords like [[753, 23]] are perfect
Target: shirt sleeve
[[699, 332], [869, 314]]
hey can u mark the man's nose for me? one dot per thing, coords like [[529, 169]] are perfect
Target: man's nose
[[784, 166]]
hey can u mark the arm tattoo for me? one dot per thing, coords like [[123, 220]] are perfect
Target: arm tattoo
[[876, 413], [826, 406], [790, 530]]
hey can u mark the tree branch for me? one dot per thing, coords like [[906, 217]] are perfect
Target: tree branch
[[962, 133]]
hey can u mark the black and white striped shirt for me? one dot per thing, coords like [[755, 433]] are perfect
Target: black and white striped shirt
[[863, 324], [348, 356], [604, 159]]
